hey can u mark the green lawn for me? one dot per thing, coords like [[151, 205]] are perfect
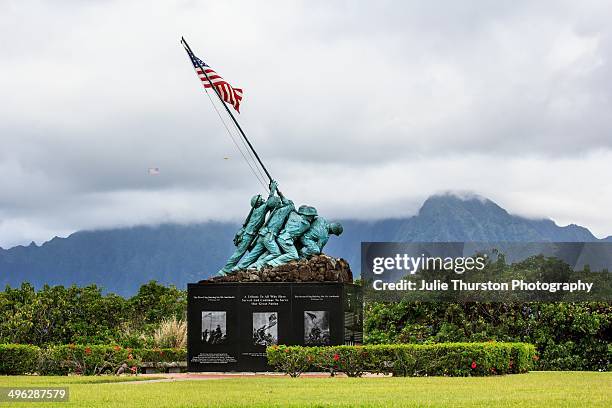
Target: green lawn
[[535, 389]]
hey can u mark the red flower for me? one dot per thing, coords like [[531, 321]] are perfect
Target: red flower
[[511, 364], [133, 369], [87, 350], [161, 352], [116, 348], [336, 357], [474, 364], [536, 358]]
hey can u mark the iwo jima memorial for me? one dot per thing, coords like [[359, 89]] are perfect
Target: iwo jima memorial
[[277, 287]]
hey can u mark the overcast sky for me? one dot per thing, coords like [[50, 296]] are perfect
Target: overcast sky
[[362, 109]]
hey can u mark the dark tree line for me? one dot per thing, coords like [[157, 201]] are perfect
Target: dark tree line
[[84, 315]]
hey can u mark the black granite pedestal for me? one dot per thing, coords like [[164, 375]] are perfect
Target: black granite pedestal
[[230, 324]]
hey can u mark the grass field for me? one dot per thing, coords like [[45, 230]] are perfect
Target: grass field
[[537, 389]]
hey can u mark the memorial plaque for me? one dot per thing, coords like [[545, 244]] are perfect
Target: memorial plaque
[[231, 324], [213, 328], [319, 308], [265, 313]]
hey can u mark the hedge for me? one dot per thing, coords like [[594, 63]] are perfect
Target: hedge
[[448, 359], [18, 359], [444, 359], [567, 336]]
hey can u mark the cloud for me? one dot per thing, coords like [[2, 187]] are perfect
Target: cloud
[[362, 109]]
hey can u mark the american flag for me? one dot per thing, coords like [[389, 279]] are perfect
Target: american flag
[[228, 93]]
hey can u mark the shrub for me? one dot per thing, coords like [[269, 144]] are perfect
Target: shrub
[[351, 360], [171, 333], [160, 356], [290, 360], [18, 359], [447, 359], [97, 359], [86, 360], [56, 315], [568, 336]]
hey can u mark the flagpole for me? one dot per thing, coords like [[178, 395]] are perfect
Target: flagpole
[[190, 54]]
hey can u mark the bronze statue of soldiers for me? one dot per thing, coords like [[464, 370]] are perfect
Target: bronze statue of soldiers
[[296, 225], [265, 245], [317, 236], [256, 218]]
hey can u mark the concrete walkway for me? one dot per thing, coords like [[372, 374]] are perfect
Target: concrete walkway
[[171, 377]]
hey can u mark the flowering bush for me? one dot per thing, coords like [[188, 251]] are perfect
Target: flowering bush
[[290, 360], [351, 360], [446, 359]]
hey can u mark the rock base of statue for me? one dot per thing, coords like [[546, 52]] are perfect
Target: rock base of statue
[[318, 268], [232, 319]]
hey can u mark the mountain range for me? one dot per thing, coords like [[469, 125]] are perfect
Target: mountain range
[[122, 259]]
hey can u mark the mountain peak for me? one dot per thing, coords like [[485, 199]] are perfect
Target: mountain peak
[[450, 203]]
